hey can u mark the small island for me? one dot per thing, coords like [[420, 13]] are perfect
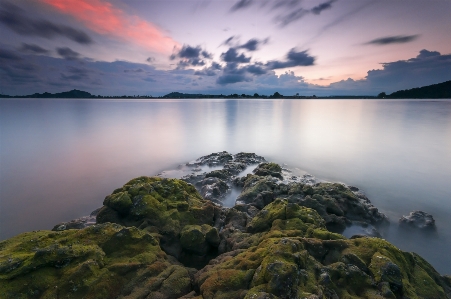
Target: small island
[[158, 237]]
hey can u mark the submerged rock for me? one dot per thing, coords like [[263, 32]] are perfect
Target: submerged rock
[[418, 219]]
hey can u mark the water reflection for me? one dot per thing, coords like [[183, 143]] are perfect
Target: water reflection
[[60, 158]]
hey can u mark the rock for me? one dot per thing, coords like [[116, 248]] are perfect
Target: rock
[[100, 261], [165, 206], [199, 239], [418, 219], [213, 188], [78, 223], [213, 159], [272, 169], [159, 238]]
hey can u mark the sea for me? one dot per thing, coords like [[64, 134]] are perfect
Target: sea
[[59, 158]]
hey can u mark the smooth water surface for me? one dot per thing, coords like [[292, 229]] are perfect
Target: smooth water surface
[[60, 158]]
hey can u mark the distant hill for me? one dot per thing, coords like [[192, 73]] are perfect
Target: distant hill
[[66, 94], [436, 91], [73, 94], [179, 95]]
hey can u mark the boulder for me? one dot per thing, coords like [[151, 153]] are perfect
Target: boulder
[[419, 220]]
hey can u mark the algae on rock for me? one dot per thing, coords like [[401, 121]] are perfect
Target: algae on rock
[[276, 243]]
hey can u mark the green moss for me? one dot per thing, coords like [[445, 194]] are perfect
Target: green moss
[[96, 262], [281, 209]]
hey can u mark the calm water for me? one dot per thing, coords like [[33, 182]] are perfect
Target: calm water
[[60, 158]]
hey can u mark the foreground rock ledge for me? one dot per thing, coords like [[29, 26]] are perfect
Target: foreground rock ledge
[[158, 238]]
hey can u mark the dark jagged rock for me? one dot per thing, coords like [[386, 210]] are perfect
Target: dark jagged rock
[[418, 219], [78, 223], [158, 238]]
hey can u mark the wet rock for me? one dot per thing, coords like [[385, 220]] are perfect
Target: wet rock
[[248, 158], [418, 219], [78, 223], [213, 188], [272, 169], [213, 159]]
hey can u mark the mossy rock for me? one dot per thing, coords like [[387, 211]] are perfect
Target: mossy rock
[[281, 209], [165, 204], [287, 264], [199, 239], [271, 169], [101, 261]]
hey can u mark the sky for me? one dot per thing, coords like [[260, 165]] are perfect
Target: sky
[[154, 47]]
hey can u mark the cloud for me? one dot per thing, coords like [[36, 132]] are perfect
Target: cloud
[[76, 74], [399, 39], [428, 67], [289, 18], [294, 58], [253, 44], [33, 49], [68, 53], [210, 71], [232, 56], [241, 4], [191, 56], [8, 55], [233, 74], [256, 69], [230, 40], [104, 18], [13, 17], [140, 70], [318, 9], [150, 59]]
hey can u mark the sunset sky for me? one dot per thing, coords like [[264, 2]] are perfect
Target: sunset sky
[[153, 47]]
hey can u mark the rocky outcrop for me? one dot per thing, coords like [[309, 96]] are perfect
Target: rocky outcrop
[[101, 261], [419, 220], [159, 238], [164, 207]]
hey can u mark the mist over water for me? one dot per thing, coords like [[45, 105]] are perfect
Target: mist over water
[[60, 158]]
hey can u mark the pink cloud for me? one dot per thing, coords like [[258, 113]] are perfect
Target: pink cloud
[[104, 18]]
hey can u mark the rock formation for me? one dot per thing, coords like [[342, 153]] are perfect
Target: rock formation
[[159, 238]]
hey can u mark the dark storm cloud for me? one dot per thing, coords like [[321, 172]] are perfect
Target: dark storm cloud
[[399, 39], [33, 49], [191, 56], [13, 17], [241, 4], [294, 58], [68, 53], [210, 71], [232, 56]]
